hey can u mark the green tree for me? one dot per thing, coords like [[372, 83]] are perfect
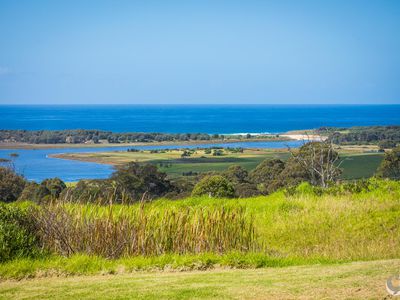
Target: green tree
[[390, 165], [34, 192], [236, 174], [246, 190], [11, 185], [54, 185], [214, 186], [386, 144], [267, 175], [137, 179]]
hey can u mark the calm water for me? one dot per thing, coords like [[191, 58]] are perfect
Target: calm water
[[36, 165], [196, 118]]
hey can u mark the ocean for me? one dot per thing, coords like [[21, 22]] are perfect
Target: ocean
[[227, 119]]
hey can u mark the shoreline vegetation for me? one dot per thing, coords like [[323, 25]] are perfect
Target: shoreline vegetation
[[39, 139], [16, 145], [383, 136]]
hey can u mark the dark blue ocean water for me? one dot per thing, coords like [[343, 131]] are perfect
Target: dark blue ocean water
[[197, 118]]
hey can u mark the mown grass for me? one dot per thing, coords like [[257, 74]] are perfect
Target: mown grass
[[357, 280], [82, 264]]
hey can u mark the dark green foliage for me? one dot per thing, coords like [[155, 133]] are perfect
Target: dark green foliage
[[218, 152], [47, 190], [34, 192], [11, 185], [180, 188], [387, 144], [363, 135], [292, 174], [16, 233], [246, 190], [54, 185], [92, 136], [390, 166], [267, 175], [236, 174], [138, 179], [214, 186], [95, 191]]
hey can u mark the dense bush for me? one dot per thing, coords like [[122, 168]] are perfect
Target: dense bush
[[246, 190], [390, 166], [139, 179], [95, 191], [11, 185], [17, 237], [214, 186], [92, 136], [236, 174], [267, 175], [47, 190], [363, 135]]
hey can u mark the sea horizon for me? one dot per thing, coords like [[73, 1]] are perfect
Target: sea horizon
[[196, 118]]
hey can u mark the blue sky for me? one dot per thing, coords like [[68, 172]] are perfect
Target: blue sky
[[131, 52]]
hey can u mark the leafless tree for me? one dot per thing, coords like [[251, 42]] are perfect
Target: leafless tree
[[318, 158]]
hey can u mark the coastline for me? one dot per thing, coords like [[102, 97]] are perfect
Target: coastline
[[102, 145]]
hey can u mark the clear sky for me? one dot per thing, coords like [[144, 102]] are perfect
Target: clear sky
[[131, 52]]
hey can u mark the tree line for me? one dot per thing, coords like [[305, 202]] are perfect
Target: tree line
[[385, 136], [315, 162], [96, 136]]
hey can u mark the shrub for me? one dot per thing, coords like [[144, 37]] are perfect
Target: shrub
[[17, 237], [46, 191], [245, 190], [11, 185], [34, 192], [54, 185], [214, 186], [137, 179], [236, 174], [95, 191], [390, 166]]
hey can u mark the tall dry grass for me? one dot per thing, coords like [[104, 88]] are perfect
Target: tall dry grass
[[113, 233]]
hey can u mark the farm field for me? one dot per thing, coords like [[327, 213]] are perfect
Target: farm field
[[357, 280], [359, 162]]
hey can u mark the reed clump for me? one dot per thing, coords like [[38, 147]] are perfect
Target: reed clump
[[114, 232]]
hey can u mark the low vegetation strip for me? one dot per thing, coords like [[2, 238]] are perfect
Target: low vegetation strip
[[144, 231], [357, 280]]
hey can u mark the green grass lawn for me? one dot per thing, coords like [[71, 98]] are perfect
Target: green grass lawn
[[356, 165], [357, 280]]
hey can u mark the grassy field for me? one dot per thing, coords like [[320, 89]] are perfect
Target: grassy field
[[328, 246], [358, 162], [357, 280]]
